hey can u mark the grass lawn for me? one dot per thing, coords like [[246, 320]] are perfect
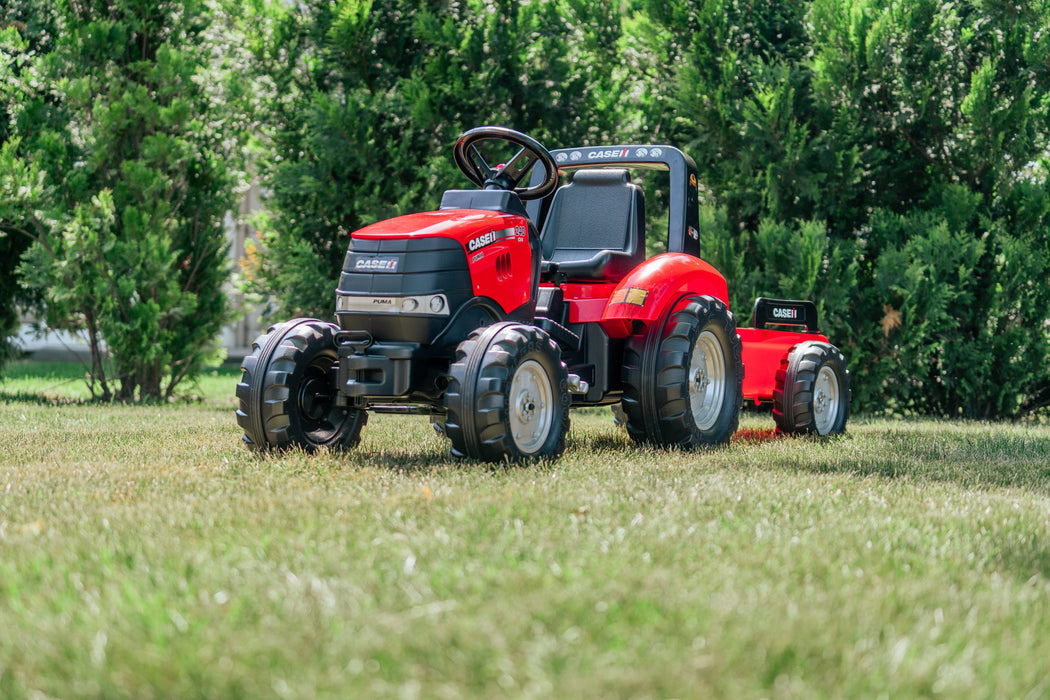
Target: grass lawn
[[145, 553]]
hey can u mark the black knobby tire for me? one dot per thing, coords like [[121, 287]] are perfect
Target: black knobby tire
[[508, 397], [683, 379], [811, 395], [287, 390]]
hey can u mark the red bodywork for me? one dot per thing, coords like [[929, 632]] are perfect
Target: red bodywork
[[651, 291], [499, 258], [499, 255], [762, 352], [648, 291], [643, 294]]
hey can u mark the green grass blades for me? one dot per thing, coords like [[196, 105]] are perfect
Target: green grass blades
[[145, 552]]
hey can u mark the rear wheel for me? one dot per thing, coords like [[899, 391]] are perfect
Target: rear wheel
[[508, 395], [811, 395], [683, 381], [288, 389]]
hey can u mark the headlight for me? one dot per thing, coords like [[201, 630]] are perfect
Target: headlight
[[420, 305]]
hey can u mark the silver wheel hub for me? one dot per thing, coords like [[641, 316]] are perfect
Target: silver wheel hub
[[826, 400], [707, 380], [531, 407]]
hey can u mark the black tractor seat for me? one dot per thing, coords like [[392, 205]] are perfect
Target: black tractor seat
[[595, 228]]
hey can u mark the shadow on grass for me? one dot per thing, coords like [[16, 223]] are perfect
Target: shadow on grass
[[985, 456], [981, 456], [32, 397], [602, 442], [297, 460], [44, 399], [619, 441], [67, 383]]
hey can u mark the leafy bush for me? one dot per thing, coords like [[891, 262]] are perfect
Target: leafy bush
[[27, 28], [887, 160], [369, 97], [122, 140]]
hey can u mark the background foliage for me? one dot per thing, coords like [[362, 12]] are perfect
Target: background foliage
[[121, 160], [23, 33], [369, 97], [888, 160]]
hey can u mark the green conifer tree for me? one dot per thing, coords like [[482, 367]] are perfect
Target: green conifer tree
[[27, 29], [135, 145], [888, 160]]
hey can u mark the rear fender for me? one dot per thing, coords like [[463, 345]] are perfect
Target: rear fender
[[648, 291]]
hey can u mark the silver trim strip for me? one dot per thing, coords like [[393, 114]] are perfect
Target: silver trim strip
[[419, 305]]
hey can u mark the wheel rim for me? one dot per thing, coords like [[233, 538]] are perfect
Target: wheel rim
[[319, 416], [707, 380], [531, 406], [825, 400]]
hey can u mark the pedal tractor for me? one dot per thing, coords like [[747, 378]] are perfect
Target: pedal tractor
[[494, 318]]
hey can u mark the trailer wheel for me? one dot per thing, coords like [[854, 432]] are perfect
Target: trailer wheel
[[683, 381], [811, 395], [288, 388], [508, 396]]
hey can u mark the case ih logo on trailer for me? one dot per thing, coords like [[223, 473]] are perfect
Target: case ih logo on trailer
[[496, 348]]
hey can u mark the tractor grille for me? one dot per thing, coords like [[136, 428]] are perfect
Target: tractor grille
[[401, 288]]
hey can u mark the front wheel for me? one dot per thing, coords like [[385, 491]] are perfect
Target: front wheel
[[508, 397], [683, 381], [288, 389], [811, 395]]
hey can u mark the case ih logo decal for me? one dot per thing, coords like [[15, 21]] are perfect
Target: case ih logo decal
[[641, 152], [629, 295], [782, 312], [489, 238], [618, 153], [375, 265], [482, 241]]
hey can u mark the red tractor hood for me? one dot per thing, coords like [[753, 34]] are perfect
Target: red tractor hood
[[474, 228], [497, 250]]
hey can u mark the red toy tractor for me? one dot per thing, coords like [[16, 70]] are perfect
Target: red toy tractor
[[494, 319]]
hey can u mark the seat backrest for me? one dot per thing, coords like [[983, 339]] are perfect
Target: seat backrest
[[600, 211]]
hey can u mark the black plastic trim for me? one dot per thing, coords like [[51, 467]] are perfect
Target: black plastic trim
[[785, 312]]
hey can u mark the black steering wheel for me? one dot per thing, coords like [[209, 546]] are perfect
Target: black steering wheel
[[473, 165]]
